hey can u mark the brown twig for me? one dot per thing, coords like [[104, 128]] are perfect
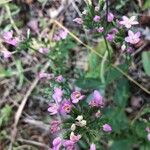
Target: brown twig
[[35, 143]]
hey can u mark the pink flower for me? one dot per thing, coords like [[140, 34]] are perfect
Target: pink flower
[[59, 78], [53, 108], [8, 35], [8, 38], [63, 34], [128, 22], [57, 96], [76, 97], [107, 128], [6, 54], [110, 17], [129, 49], [66, 106], [57, 142], [43, 50], [97, 100], [96, 18], [56, 37], [133, 38], [100, 29], [69, 145], [92, 146], [54, 126], [110, 37], [78, 20], [114, 31], [148, 136], [74, 138]]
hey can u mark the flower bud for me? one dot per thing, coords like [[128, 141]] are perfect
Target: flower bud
[[73, 127], [82, 123], [79, 118]]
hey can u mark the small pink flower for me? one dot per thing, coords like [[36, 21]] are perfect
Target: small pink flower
[[133, 38], [148, 136], [66, 106], [57, 96], [129, 49], [59, 79], [114, 31], [100, 29], [110, 37], [97, 99], [6, 54], [128, 22], [43, 50], [13, 41], [69, 145], [78, 20], [54, 126], [8, 38], [92, 146], [110, 17], [8, 35], [63, 34], [57, 143], [76, 97], [53, 108], [107, 128], [96, 18], [56, 37], [74, 138]]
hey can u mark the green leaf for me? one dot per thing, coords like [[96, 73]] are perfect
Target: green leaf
[[139, 130], [5, 73], [20, 72], [88, 83], [122, 92], [146, 61], [117, 119], [5, 114], [94, 61], [124, 144], [146, 4], [113, 74]]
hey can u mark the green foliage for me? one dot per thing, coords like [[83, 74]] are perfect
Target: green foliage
[[117, 119], [5, 114], [146, 62], [88, 83], [146, 4], [95, 61], [112, 74], [122, 144], [122, 92]]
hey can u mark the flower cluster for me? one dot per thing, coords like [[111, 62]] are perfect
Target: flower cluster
[[64, 107], [111, 27]]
